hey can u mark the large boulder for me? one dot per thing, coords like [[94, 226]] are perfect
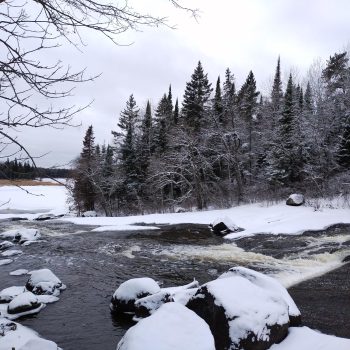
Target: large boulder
[[171, 327], [240, 314], [8, 294], [223, 226], [148, 305], [123, 299], [23, 303], [44, 282], [295, 199], [270, 284]]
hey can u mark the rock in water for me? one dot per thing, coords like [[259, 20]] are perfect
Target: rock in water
[[295, 199], [241, 315], [223, 226], [270, 284], [128, 292], [171, 327], [8, 294], [5, 245], [23, 303], [44, 282]]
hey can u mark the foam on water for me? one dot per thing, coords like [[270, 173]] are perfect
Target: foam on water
[[291, 270]]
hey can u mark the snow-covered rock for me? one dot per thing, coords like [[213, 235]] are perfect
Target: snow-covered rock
[[89, 214], [148, 305], [270, 284], [19, 272], [240, 314], [129, 291], [44, 281], [11, 252], [16, 336], [5, 261], [22, 235], [171, 327], [179, 210], [23, 303], [295, 199], [304, 338], [223, 226], [5, 245], [7, 294]]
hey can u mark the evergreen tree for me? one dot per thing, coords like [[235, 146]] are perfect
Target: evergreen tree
[[162, 123], [84, 190], [229, 99], [344, 147], [196, 97], [218, 108], [176, 112]]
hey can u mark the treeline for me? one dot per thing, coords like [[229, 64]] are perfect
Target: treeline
[[17, 170], [223, 145]]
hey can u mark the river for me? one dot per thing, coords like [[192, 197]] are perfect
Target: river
[[93, 264]]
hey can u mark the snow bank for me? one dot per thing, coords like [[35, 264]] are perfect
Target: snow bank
[[304, 338], [171, 327], [253, 218]]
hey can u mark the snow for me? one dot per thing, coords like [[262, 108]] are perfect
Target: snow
[[5, 245], [44, 275], [23, 300], [22, 235], [40, 199], [19, 272], [124, 228], [227, 221], [253, 218], [248, 307], [171, 327], [304, 338], [12, 252], [296, 198], [22, 338], [5, 261], [265, 282], [7, 294], [133, 288]]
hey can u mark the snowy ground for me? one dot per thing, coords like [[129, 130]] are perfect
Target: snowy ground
[[253, 218]]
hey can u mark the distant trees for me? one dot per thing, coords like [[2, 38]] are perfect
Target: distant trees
[[225, 146]]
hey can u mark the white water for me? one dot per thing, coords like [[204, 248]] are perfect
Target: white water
[[289, 271]]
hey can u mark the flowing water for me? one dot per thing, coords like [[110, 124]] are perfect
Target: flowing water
[[93, 264]]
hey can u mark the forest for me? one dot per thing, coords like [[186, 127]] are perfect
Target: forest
[[223, 145]]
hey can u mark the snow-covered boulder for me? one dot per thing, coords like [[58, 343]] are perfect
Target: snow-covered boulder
[[270, 284], [21, 235], [295, 199], [15, 336], [18, 272], [171, 327], [148, 305], [128, 292], [23, 303], [44, 282], [179, 210], [8, 294], [5, 245], [11, 252], [89, 214], [240, 314], [223, 226]]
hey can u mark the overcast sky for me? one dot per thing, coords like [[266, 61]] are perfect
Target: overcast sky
[[240, 34]]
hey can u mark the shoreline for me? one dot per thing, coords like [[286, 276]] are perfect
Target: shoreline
[[324, 302]]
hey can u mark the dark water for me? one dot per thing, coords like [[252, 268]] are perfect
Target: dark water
[[92, 265]]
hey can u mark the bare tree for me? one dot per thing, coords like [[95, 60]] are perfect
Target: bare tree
[[27, 30]]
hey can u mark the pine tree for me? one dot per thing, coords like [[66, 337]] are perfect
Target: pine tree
[[176, 112], [146, 140], [84, 191], [218, 108], [196, 98], [277, 93], [162, 123], [343, 155], [229, 99]]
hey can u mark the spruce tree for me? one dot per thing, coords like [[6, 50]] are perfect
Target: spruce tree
[[196, 98], [229, 99], [176, 112], [218, 108], [343, 155]]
